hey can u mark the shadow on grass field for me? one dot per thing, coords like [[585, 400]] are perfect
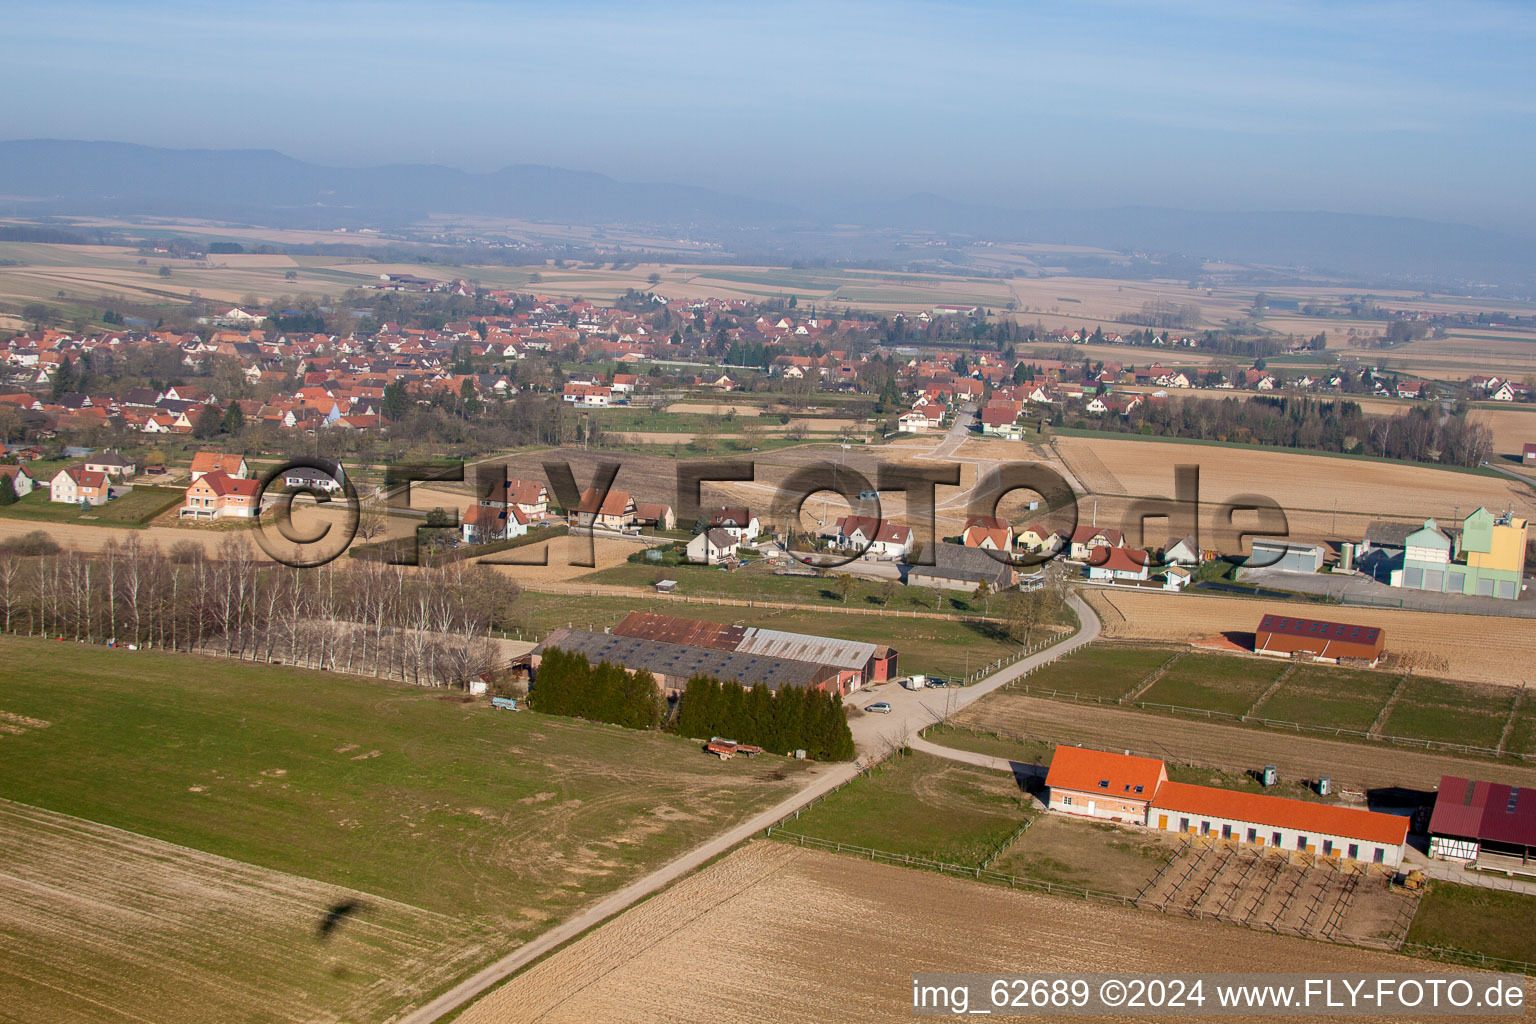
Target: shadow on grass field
[[411, 794]]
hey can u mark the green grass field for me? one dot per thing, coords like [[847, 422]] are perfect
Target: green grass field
[[1105, 670], [408, 794], [922, 806], [1432, 709], [759, 582], [1522, 737], [1330, 697], [134, 509], [1215, 682], [1477, 920]]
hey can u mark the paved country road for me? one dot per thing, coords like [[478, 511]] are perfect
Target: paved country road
[[912, 710]]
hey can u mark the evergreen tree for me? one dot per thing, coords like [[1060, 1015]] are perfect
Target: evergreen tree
[[63, 379], [7, 490], [234, 419], [209, 421], [396, 402]]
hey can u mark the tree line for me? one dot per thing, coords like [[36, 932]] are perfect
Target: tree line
[[1419, 434], [424, 626], [570, 685], [795, 718]]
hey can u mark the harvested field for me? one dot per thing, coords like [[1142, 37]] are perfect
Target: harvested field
[[1360, 765], [1097, 855], [1298, 482], [104, 925], [561, 552], [775, 933], [1475, 648], [1513, 428]]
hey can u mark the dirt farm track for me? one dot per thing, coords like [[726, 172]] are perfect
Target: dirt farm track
[[778, 933]]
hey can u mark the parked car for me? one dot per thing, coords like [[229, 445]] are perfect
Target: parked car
[[879, 707], [938, 681]]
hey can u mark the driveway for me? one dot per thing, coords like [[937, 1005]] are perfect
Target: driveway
[[874, 735]]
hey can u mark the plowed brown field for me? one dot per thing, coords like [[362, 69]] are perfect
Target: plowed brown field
[[1298, 482], [777, 933], [101, 925], [1475, 648]]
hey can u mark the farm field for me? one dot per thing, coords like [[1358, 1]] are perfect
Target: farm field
[[1106, 670], [1513, 427], [1096, 855], [1214, 682], [921, 806], [406, 794], [1474, 648], [1299, 757], [1434, 710], [764, 935], [104, 925], [1309, 488], [1476, 920], [1324, 696]]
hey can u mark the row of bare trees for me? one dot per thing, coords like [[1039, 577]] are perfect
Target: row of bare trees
[[424, 626]]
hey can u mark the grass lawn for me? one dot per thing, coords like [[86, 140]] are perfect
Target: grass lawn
[[1024, 751], [758, 582], [134, 509], [929, 646], [1433, 709], [1215, 682], [1095, 855], [1330, 697], [1105, 670], [411, 794], [1477, 920], [1522, 738], [923, 806]]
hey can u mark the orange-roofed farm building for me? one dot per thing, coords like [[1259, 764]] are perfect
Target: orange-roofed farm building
[[1098, 784], [1287, 636], [1121, 787], [1346, 833]]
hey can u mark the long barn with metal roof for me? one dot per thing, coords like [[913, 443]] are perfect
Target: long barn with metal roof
[[674, 664], [857, 662]]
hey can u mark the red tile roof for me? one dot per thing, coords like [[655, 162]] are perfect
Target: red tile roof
[[1123, 776]]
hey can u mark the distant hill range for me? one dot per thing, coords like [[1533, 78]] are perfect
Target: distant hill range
[[266, 187]]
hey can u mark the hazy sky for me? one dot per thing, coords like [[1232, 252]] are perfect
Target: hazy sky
[[1424, 109]]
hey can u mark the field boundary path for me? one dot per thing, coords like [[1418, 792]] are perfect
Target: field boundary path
[[910, 712]]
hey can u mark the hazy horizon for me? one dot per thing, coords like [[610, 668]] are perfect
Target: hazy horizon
[[1390, 108]]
